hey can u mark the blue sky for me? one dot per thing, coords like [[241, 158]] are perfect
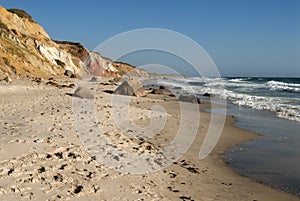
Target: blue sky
[[243, 37]]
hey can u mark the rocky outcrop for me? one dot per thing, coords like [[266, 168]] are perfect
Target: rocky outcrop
[[99, 66], [21, 25], [27, 50], [75, 49], [58, 57]]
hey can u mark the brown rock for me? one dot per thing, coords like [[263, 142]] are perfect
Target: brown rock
[[131, 88]]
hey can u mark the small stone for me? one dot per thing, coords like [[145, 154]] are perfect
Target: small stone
[[59, 155], [41, 170], [10, 171], [8, 79], [68, 73], [78, 189]]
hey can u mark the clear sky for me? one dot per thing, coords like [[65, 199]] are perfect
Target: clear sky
[[244, 37]]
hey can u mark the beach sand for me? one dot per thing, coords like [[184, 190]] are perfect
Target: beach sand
[[42, 157]]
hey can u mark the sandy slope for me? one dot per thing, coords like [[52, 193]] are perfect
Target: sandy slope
[[42, 158]]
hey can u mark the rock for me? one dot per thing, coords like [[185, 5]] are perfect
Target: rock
[[52, 83], [109, 91], [207, 95], [8, 79], [161, 90], [37, 80], [82, 92], [157, 91], [131, 88], [189, 99], [68, 73], [163, 87]]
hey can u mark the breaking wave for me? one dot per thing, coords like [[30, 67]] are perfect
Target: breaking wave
[[275, 95]]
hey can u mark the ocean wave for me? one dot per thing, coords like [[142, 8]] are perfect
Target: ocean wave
[[283, 107], [278, 106], [283, 86], [238, 80], [199, 80]]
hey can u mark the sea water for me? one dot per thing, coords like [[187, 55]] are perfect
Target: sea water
[[269, 106]]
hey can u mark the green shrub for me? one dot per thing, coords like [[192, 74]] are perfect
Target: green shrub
[[21, 13]]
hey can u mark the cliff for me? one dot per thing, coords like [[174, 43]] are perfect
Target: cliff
[[27, 50]]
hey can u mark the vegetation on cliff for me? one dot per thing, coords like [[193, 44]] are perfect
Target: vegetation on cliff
[[21, 13]]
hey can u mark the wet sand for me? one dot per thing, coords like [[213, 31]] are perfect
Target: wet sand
[[42, 157]]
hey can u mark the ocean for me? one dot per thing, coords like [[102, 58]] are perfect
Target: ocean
[[278, 95], [268, 106]]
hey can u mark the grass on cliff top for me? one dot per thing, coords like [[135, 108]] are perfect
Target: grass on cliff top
[[68, 43], [21, 13]]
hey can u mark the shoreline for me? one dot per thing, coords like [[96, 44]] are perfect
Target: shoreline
[[47, 129], [277, 142]]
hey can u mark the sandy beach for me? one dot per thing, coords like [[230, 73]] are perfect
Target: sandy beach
[[42, 157]]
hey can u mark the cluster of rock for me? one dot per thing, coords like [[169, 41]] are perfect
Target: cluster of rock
[[134, 87], [27, 50]]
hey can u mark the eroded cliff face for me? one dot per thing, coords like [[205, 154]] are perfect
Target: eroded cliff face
[[27, 50], [128, 70], [100, 66]]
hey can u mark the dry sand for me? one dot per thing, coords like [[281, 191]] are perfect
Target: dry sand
[[42, 157]]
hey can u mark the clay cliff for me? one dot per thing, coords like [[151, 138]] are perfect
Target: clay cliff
[[27, 50]]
